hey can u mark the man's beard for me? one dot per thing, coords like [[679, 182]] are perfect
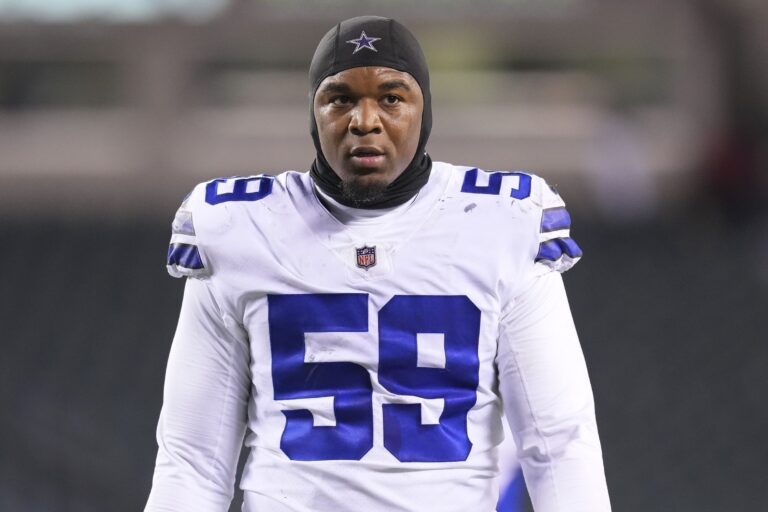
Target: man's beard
[[361, 193]]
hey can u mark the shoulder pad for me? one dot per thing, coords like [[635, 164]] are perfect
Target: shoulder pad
[[184, 257], [206, 212], [557, 250]]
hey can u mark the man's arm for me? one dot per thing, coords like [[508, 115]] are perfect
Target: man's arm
[[548, 401], [202, 423]]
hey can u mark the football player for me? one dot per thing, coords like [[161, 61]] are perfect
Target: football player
[[364, 325]]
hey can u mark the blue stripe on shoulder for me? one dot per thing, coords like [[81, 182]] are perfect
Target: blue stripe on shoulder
[[185, 255], [552, 250], [553, 219]]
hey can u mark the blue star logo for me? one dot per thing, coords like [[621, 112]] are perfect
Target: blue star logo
[[363, 42]]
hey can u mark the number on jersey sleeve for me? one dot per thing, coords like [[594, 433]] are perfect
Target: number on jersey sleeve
[[252, 188], [520, 182]]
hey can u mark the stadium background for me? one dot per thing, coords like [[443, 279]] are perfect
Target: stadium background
[[650, 117]]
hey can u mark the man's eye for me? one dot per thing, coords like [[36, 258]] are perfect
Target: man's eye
[[391, 99], [340, 100]]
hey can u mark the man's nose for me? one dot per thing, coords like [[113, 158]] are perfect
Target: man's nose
[[365, 118]]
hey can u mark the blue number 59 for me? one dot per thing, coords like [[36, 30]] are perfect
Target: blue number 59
[[455, 318]]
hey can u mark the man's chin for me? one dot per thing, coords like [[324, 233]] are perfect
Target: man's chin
[[362, 191]]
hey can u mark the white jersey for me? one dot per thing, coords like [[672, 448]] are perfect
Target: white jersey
[[367, 357]]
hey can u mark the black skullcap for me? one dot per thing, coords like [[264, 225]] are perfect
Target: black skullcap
[[372, 41]]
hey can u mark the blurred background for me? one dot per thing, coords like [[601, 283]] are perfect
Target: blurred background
[[650, 117]]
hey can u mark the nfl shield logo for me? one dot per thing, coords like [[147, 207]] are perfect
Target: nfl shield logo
[[366, 257]]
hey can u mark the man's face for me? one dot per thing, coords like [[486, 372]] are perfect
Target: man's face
[[368, 121]]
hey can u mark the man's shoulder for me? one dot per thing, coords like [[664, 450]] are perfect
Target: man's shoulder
[[503, 188], [220, 207], [218, 199], [243, 190], [519, 204]]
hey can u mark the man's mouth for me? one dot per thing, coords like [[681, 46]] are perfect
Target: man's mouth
[[367, 156]]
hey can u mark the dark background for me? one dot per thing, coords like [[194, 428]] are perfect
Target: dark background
[[650, 119]]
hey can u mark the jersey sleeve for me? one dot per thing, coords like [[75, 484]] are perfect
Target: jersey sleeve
[[557, 251], [185, 258], [205, 399], [548, 401]]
